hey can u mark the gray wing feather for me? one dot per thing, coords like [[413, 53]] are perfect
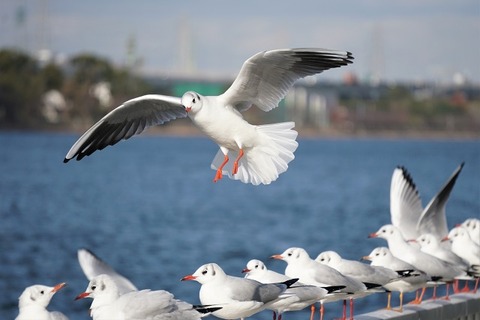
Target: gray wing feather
[[433, 219], [131, 118], [266, 77]]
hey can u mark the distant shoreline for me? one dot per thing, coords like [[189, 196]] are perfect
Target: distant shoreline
[[191, 131]]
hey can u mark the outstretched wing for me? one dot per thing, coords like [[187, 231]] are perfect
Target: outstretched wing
[[405, 203], [132, 117], [433, 219], [93, 266], [266, 77]]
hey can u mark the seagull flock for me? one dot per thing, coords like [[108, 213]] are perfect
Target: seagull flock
[[421, 252]]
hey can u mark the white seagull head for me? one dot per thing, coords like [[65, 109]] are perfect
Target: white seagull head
[[255, 266], [209, 272], [102, 289], [38, 295], [192, 102]]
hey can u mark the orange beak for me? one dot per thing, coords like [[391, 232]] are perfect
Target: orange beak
[[189, 277], [246, 270], [277, 257], [373, 235], [366, 258], [82, 295], [59, 286], [445, 238]]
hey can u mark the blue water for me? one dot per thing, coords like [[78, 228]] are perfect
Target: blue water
[[148, 207]]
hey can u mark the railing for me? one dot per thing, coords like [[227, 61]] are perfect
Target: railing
[[460, 307]]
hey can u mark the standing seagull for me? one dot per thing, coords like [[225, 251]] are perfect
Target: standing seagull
[[300, 295], [237, 297], [34, 300], [382, 257], [261, 152], [311, 272], [425, 262]]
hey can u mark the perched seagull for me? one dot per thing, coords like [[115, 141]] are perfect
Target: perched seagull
[[34, 300], [93, 266], [300, 295], [467, 249], [406, 209], [425, 262], [358, 270], [309, 271], [464, 246], [237, 297], [431, 245], [109, 304], [382, 257], [473, 227], [261, 152]]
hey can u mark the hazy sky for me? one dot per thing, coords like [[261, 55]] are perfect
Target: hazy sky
[[394, 39]]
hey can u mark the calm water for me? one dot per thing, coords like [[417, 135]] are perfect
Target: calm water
[[148, 207]]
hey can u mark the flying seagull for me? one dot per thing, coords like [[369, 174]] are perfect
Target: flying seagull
[[260, 152]]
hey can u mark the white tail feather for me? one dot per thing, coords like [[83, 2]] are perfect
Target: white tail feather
[[263, 163]]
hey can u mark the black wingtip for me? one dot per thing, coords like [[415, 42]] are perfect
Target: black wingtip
[[371, 285], [331, 289], [290, 282], [407, 177], [66, 160], [206, 309]]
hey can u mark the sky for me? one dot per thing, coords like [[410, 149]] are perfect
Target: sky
[[394, 40]]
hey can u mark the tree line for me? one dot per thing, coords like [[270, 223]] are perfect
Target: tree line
[[24, 83]]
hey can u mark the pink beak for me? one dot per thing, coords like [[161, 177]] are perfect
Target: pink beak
[[188, 109], [373, 235]]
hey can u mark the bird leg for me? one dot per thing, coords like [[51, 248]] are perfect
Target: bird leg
[[235, 164], [389, 297], [351, 309], [400, 309], [322, 311], [219, 173], [447, 297], [418, 299], [434, 296], [344, 313], [312, 311]]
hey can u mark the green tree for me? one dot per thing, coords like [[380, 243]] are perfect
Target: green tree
[[20, 89]]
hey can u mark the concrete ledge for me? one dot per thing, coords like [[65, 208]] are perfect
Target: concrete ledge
[[459, 307]]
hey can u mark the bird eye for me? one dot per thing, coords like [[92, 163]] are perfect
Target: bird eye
[[93, 287], [42, 292], [289, 254], [204, 272], [193, 100]]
